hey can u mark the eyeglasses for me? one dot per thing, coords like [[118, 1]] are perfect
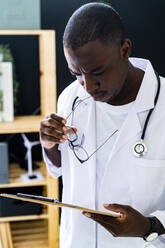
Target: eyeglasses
[[76, 142], [80, 153]]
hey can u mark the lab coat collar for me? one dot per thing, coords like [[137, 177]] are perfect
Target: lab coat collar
[[146, 95]]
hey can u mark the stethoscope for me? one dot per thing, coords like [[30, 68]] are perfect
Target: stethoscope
[[140, 148]]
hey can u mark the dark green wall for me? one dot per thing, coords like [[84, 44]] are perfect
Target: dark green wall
[[144, 21]]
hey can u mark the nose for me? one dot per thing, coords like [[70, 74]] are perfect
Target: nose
[[90, 83]]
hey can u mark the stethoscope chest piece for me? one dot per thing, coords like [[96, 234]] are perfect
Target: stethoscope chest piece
[[139, 149]]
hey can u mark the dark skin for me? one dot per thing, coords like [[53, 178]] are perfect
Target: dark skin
[[131, 223], [105, 72]]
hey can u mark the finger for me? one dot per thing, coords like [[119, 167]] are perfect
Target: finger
[[122, 209], [71, 130], [102, 219], [47, 138], [57, 118], [53, 133], [105, 221], [114, 207], [49, 122], [58, 131]]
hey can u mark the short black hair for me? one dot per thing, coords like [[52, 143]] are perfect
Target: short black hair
[[93, 21]]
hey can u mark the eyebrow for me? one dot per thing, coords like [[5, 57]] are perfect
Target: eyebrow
[[94, 70]]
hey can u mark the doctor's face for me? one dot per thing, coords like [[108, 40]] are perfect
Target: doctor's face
[[100, 68]]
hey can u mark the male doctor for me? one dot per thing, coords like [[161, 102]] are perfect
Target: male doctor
[[107, 140]]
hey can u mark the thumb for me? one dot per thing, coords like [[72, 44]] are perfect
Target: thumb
[[115, 207], [71, 130]]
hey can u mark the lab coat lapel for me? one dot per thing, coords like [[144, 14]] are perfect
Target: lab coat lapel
[[144, 101], [91, 147]]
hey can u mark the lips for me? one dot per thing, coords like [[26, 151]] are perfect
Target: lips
[[98, 94]]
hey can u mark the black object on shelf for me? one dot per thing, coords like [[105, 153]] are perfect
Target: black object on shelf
[[13, 207]]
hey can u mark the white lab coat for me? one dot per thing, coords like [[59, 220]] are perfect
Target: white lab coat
[[138, 182]]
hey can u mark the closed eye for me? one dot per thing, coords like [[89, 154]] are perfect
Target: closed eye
[[75, 74], [98, 73]]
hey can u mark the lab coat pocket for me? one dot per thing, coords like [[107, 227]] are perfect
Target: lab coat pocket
[[150, 163], [147, 183]]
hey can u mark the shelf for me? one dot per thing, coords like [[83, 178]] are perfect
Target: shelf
[[26, 234], [21, 124], [23, 217], [24, 32], [14, 177]]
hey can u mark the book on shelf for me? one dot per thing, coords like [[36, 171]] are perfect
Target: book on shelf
[[6, 92]]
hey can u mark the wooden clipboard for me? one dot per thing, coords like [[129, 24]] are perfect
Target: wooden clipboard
[[54, 202]]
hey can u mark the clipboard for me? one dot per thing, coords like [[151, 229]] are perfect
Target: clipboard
[[53, 202]]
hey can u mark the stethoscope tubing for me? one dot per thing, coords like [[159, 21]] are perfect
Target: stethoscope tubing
[[151, 110]]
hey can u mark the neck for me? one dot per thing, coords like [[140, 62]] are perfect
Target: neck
[[130, 87]]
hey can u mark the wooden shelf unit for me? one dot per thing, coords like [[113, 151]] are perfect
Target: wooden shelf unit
[[49, 237]]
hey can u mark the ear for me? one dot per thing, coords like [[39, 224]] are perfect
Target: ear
[[125, 49]]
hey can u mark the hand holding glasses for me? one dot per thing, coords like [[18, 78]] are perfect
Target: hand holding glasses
[[53, 131]]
